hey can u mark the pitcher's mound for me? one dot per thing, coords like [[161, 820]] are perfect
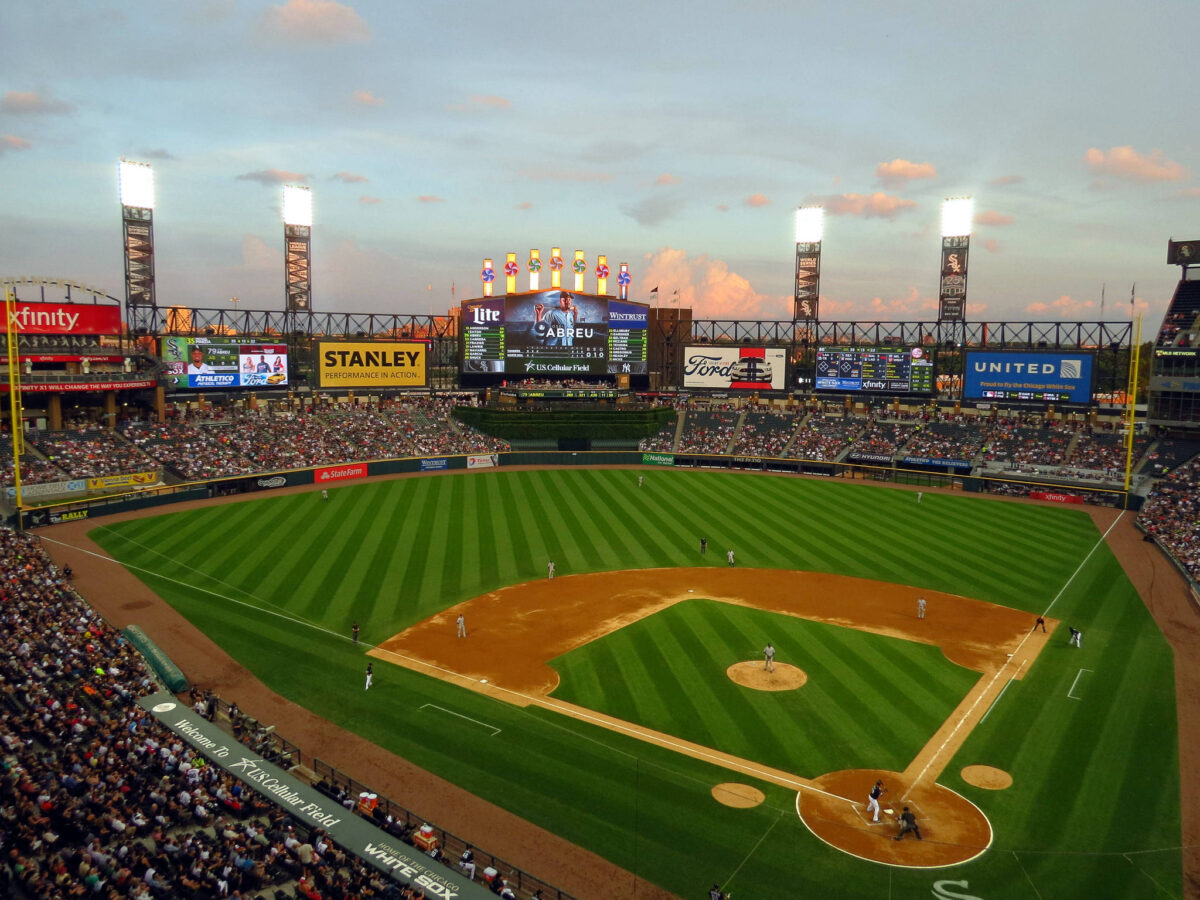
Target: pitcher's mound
[[740, 796], [987, 777], [753, 675]]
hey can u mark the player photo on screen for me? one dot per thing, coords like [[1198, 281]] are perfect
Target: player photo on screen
[[558, 328]]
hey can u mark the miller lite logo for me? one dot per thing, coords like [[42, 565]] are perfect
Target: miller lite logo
[[482, 315]]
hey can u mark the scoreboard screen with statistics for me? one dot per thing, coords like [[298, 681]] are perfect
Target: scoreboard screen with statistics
[[882, 370]]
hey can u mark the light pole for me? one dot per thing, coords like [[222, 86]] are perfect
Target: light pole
[[235, 301]]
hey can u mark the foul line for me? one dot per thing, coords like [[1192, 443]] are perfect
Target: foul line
[[495, 730], [153, 574], [966, 715], [1011, 679], [1071, 690]]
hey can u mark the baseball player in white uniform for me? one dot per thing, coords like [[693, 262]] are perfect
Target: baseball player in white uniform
[[920, 607], [873, 799], [462, 626]]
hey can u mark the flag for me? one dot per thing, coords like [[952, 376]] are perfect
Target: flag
[[675, 296], [654, 290]]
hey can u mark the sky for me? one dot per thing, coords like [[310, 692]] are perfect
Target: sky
[[676, 137]]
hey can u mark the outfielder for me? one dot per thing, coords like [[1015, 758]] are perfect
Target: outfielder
[[370, 676], [873, 800], [1076, 637]]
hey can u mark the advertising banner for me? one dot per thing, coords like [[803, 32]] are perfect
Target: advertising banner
[[132, 479], [41, 388], [735, 368], [1040, 375], [339, 473], [432, 465], [488, 461], [1055, 498], [371, 365], [47, 489], [65, 318], [306, 804], [658, 459]]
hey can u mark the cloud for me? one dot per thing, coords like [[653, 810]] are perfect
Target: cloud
[[868, 206], [1125, 162], [991, 217], [899, 308], [991, 245], [655, 209], [366, 98], [430, 198], [708, 287], [1066, 307], [667, 178], [273, 176], [313, 22], [1006, 180], [757, 200], [1189, 193], [480, 102], [367, 200], [349, 178], [723, 207], [160, 153], [31, 103], [900, 172], [567, 175], [12, 142], [524, 204]]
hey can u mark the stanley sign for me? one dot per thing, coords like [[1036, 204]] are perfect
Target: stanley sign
[[372, 365]]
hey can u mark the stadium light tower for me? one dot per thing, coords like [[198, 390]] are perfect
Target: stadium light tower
[[136, 183], [957, 215], [297, 245], [810, 226]]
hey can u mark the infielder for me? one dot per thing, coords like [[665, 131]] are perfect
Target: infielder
[[920, 607], [769, 657], [462, 626], [550, 569], [873, 800], [729, 556]]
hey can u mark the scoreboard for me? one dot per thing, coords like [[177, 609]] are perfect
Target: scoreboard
[[554, 332], [883, 370]]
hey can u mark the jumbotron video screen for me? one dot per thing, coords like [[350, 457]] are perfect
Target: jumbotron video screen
[[554, 332]]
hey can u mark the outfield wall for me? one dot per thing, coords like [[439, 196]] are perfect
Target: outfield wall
[[927, 473]]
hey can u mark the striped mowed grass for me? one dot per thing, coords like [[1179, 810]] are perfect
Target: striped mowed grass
[[1094, 806]]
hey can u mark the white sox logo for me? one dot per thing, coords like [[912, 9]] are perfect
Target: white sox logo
[[941, 890]]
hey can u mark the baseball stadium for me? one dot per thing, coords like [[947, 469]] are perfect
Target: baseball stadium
[[564, 594]]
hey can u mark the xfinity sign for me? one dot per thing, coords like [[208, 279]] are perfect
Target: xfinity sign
[[1045, 376]]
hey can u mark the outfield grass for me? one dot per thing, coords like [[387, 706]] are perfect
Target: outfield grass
[[1093, 810]]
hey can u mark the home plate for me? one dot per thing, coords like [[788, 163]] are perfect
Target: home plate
[[889, 811]]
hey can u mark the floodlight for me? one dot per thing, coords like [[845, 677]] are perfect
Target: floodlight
[[297, 205], [137, 184], [957, 213], [810, 223]]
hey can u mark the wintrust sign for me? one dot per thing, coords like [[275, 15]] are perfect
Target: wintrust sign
[[64, 318], [339, 473]]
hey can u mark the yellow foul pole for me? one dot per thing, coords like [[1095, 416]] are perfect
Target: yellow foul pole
[[1135, 355], [14, 392]]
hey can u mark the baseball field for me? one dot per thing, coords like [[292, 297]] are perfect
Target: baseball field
[[624, 705]]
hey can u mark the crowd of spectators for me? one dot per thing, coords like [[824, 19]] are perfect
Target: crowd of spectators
[[98, 799], [946, 440], [661, 441], [882, 438], [1014, 443], [764, 433], [1171, 514], [707, 431], [192, 451], [1104, 452], [90, 452], [34, 469], [825, 436]]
